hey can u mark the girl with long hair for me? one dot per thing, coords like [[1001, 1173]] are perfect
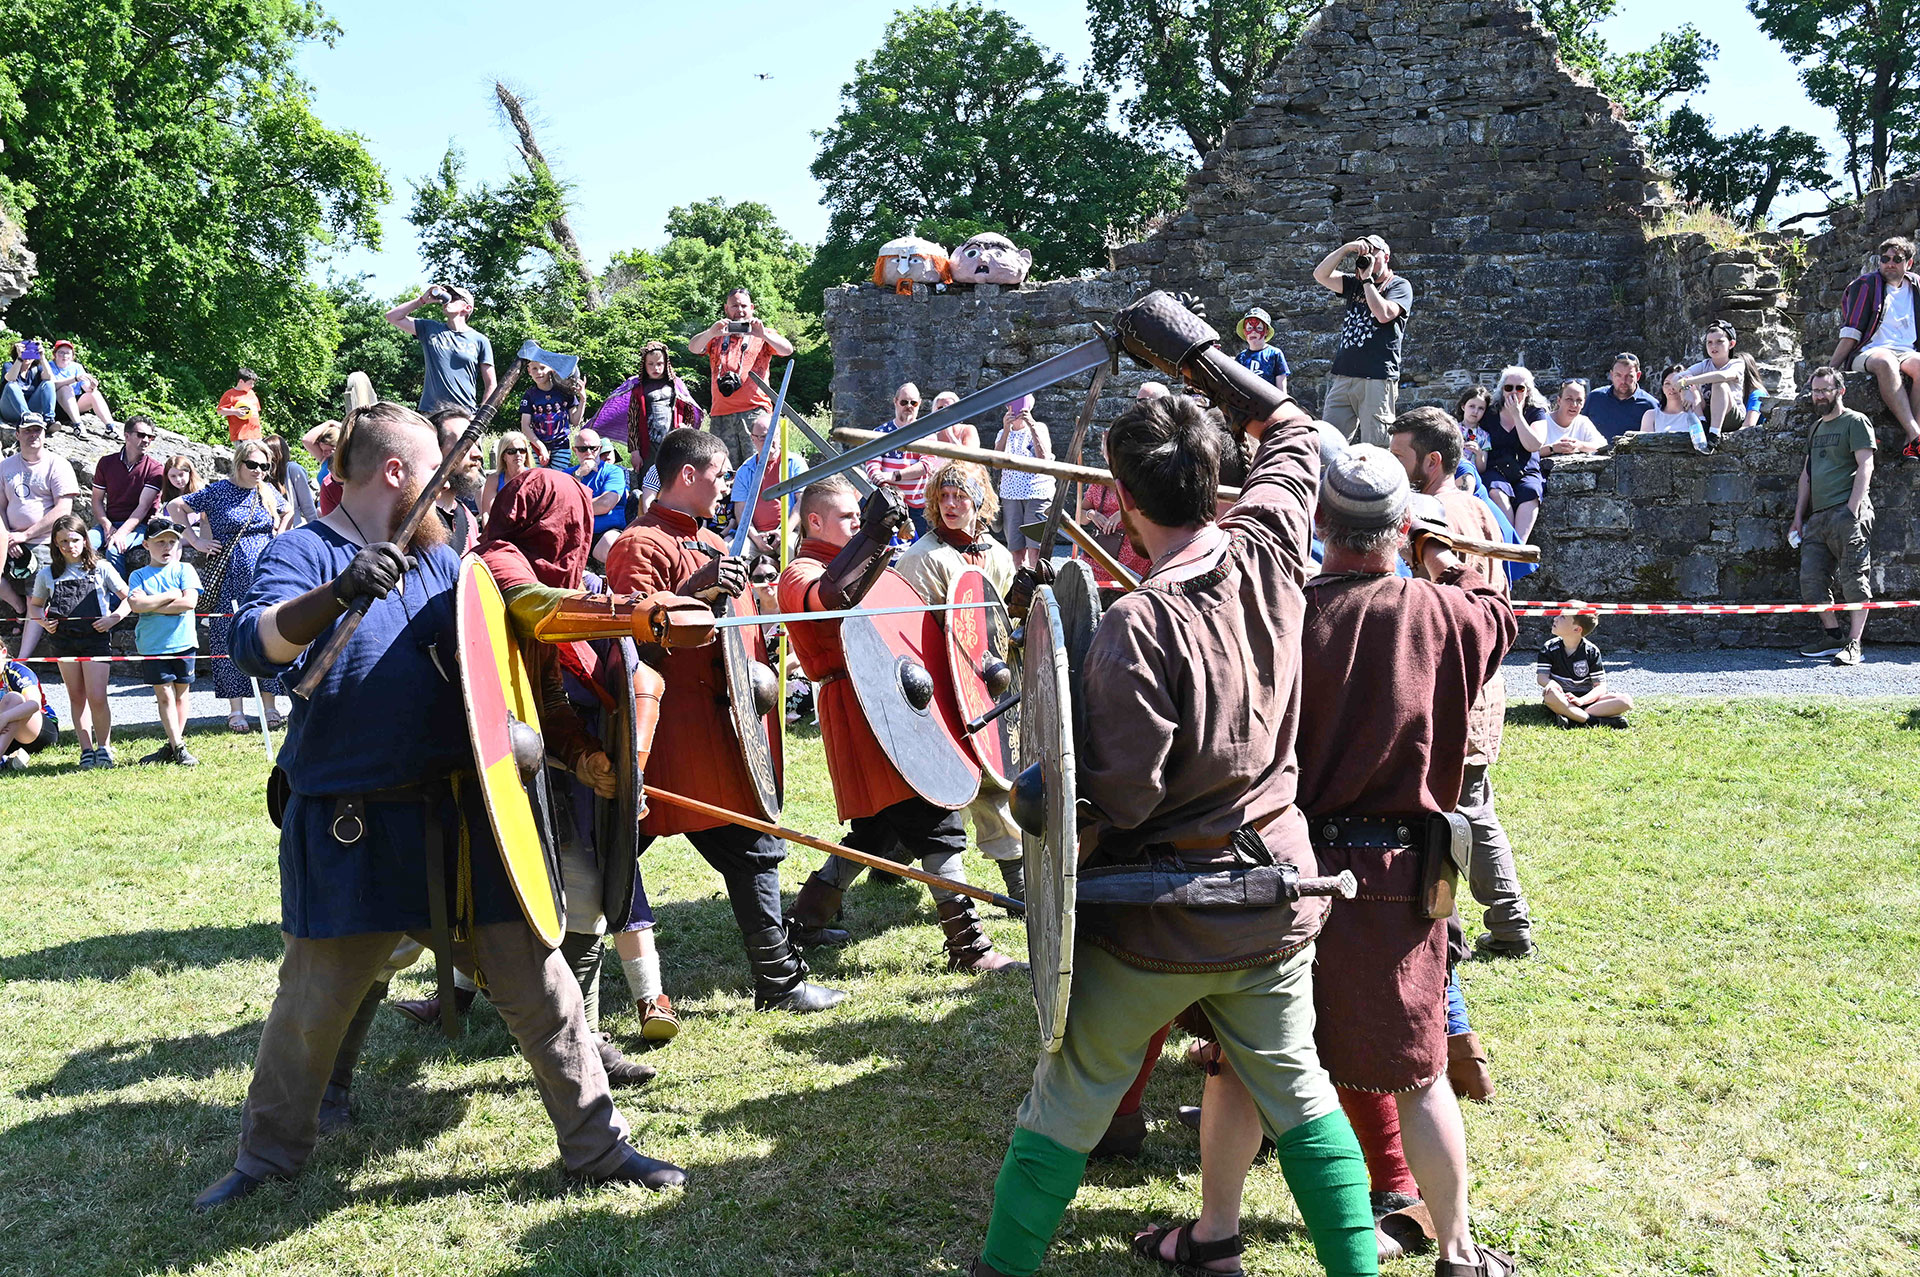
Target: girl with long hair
[[70, 599]]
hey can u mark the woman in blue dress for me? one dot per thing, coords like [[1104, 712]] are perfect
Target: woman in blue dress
[[237, 507]]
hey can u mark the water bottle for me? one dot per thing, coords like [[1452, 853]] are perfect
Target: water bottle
[[1698, 433]]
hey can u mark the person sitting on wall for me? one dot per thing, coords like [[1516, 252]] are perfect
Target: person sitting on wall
[[1878, 334]]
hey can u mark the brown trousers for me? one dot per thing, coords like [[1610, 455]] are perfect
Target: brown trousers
[[321, 985]]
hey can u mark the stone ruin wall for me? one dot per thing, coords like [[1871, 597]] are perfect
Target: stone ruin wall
[[1525, 213]]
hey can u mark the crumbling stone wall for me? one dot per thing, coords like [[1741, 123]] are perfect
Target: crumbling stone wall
[[1655, 522], [1689, 284], [16, 261], [1831, 261]]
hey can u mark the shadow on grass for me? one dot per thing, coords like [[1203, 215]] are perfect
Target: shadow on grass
[[114, 957], [1911, 723]]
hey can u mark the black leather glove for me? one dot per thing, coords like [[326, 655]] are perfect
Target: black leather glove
[[882, 513], [722, 578], [374, 572], [1025, 582]]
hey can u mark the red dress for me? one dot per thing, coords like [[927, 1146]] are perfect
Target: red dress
[[695, 752], [865, 781]]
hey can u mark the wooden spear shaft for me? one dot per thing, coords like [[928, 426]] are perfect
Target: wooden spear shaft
[[833, 848], [1087, 474]]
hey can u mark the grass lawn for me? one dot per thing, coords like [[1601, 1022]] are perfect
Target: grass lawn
[[1713, 1069]]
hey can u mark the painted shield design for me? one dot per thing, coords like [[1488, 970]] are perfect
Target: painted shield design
[[616, 835], [501, 699], [1043, 801], [752, 696], [898, 667], [979, 652]]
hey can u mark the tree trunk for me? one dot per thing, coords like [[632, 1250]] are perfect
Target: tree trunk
[[537, 165]]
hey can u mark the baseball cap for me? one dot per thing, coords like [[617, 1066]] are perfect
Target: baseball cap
[[464, 294], [63, 342], [31, 421]]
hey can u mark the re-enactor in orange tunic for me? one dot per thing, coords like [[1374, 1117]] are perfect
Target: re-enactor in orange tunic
[[695, 753], [843, 553]]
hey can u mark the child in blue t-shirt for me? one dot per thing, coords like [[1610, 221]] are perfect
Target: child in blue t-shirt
[[165, 594], [1265, 360]]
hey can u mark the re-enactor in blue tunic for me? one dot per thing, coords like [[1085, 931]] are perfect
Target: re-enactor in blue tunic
[[387, 717]]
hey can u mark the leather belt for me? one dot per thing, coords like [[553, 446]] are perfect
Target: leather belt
[[824, 679], [1369, 831], [350, 810]]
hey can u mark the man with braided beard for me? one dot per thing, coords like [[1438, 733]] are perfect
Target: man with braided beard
[[377, 766], [964, 508]]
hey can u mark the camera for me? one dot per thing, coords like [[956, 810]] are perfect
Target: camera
[[30, 350], [740, 326], [729, 384], [1363, 263]]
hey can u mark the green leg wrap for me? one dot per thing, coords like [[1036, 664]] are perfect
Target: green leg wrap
[[1036, 1185], [1322, 1162]]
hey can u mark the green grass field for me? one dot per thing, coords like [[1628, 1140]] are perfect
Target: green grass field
[[1713, 1069]]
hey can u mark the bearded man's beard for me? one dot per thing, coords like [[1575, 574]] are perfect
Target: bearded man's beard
[[432, 530], [1127, 518], [466, 484]]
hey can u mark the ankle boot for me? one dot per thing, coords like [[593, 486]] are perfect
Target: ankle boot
[[335, 1110], [815, 910], [780, 975], [620, 1070], [968, 948], [1467, 1067], [427, 1010], [1014, 874]]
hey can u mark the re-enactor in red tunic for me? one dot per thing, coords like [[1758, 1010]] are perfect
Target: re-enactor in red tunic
[[843, 553], [695, 753]]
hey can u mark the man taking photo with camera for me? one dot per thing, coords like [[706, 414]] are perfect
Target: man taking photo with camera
[[458, 359], [1366, 363], [737, 346]]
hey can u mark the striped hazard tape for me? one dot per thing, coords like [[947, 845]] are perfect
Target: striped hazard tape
[[1575, 607]]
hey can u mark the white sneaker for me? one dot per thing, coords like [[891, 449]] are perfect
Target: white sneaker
[[1848, 655]]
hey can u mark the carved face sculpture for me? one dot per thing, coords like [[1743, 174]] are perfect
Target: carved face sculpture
[[990, 258], [911, 260]]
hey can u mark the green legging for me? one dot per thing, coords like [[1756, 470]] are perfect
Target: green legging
[[1320, 1159]]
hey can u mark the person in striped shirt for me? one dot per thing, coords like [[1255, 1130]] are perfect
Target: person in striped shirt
[[902, 471]]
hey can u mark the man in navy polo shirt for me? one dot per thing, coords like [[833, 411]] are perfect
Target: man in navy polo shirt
[[1620, 407]]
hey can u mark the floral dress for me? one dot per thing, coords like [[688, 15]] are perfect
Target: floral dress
[[230, 510]]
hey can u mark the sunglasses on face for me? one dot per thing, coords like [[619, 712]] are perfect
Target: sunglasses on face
[[908, 403], [253, 465], [148, 435], [513, 452], [1891, 257]]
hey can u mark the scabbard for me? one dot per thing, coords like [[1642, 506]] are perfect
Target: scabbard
[[439, 920], [1255, 887]]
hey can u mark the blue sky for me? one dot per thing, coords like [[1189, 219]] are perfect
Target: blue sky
[[642, 106]]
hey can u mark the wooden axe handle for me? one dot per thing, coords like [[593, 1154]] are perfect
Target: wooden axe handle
[[344, 628]]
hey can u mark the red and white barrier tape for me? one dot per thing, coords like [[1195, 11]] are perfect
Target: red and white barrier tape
[[177, 656], [1699, 609]]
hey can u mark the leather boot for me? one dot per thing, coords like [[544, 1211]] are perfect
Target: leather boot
[[649, 1172], [815, 910], [230, 1187], [335, 1111], [620, 1070], [1126, 1133], [1467, 1067], [780, 975], [968, 948], [981, 1268], [427, 1010], [1014, 874]]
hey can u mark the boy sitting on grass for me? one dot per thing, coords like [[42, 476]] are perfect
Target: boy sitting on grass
[[165, 594], [1572, 678], [27, 722]]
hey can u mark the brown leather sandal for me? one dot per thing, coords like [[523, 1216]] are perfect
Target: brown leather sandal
[[1189, 1256], [1493, 1263]]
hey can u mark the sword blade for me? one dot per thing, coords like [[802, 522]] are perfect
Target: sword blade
[[741, 533], [828, 449], [1088, 354], [833, 848]]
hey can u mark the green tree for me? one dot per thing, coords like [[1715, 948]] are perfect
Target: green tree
[[1195, 65], [176, 186], [1860, 61], [369, 344], [482, 238], [1741, 174], [960, 115]]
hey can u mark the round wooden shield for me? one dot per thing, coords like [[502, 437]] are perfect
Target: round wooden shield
[[1046, 756], [742, 647], [616, 835], [1077, 594], [898, 667], [977, 639], [497, 687]]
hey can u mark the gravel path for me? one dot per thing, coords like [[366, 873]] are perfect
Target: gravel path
[[1887, 671]]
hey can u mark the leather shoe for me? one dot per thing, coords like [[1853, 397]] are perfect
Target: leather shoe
[[427, 1010], [1125, 1136], [658, 1023], [647, 1171], [230, 1187], [620, 1070], [335, 1109], [806, 937]]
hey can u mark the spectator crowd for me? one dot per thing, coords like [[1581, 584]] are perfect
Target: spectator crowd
[[163, 543]]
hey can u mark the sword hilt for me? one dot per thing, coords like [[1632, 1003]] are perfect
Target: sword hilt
[[976, 725], [1342, 884]]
